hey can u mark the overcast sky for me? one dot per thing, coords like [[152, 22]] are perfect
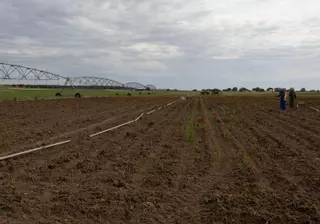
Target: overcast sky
[[169, 43]]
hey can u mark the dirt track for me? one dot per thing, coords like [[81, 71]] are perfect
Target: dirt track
[[204, 160]]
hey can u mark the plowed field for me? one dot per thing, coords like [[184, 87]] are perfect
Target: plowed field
[[201, 160]]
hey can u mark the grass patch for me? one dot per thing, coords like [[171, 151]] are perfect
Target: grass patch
[[245, 161], [216, 155], [13, 94], [190, 130], [200, 127], [225, 132], [210, 116]]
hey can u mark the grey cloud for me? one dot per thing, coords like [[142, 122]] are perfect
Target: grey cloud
[[91, 37]]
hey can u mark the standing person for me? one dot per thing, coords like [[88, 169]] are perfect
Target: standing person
[[282, 100], [292, 97]]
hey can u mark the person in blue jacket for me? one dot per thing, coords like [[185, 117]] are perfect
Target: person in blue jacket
[[282, 100]]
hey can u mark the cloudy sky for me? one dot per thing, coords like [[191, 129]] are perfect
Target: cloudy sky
[[169, 43]]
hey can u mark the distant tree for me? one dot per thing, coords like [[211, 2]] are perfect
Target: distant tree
[[277, 89], [148, 88], [270, 89], [168, 89], [204, 92], [256, 89], [195, 90], [303, 90], [234, 89], [243, 89], [215, 91]]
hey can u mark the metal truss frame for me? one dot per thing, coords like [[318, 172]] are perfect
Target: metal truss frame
[[134, 85], [7, 71], [93, 81], [19, 72], [151, 87]]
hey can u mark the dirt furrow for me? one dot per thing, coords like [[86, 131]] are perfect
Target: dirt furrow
[[249, 130], [208, 159], [179, 163], [222, 200], [302, 115], [51, 121], [295, 137], [86, 158], [261, 126], [301, 127]]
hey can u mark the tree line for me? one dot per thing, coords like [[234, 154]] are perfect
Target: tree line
[[256, 89]]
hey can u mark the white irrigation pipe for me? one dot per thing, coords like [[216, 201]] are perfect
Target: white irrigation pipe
[[172, 103], [139, 117], [129, 122], [116, 127], [110, 129], [150, 112], [315, 109], [33, 150]]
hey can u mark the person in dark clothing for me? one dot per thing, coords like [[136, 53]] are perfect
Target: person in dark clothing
[[292, 97], [283, 102]]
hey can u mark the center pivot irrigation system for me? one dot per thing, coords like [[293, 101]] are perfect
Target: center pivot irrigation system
[[22, 73]]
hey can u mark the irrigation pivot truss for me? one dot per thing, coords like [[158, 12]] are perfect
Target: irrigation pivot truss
[[151, 87], [11, 71], [134, 85], [93, 81], [19, 72]]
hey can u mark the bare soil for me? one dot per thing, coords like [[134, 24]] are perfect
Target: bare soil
[[202, 160], [33, 123]]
